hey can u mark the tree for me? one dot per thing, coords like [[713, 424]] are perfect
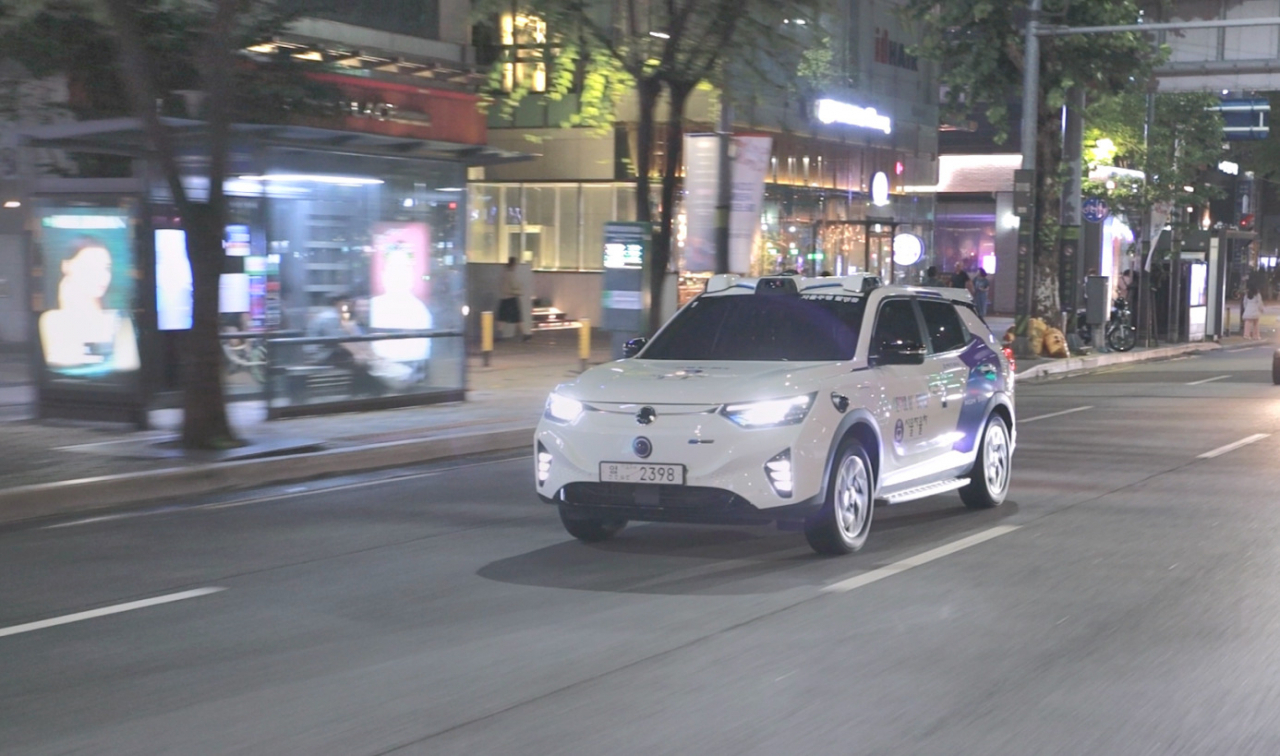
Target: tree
[[160, 46], [663, 49], [980, 46], [1185, 142]]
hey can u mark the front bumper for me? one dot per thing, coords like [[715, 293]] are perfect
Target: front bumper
[[725, 476]]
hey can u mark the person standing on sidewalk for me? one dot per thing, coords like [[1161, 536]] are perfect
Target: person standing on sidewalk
[[981, 286], [509, 296], [1252, 312], [960, 279]]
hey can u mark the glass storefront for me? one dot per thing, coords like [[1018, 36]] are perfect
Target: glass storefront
[[560, 226], [551, 226]]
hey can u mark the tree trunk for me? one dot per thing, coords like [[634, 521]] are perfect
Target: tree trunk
[[647, 90], [1045, 299], [204, 407], [678, 95]]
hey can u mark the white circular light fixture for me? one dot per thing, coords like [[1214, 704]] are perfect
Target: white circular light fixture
[[907, 249], [880, 189]]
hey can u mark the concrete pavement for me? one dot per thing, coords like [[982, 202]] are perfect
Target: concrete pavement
[[1127, 605]]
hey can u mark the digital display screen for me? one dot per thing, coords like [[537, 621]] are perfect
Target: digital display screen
[[173, 280], [87, 256], [175, 287]]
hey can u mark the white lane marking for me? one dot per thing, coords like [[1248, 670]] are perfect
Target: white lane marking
[[91, 520], [1209, 380], [1232, 447], [867, 578], [1055, 414], [106, 611]]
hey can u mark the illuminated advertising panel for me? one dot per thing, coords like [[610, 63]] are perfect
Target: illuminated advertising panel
[[398, 279], [87, 255]]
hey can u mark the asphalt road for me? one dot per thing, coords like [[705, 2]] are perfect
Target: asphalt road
[[1125, 600]]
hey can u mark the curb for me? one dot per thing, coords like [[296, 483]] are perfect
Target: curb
[[89, 494], [1095, 361]]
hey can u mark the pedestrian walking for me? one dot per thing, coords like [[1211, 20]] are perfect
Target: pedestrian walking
[[981, 287], [510, 293], [931, 276], [960, 279], [1251, 312]]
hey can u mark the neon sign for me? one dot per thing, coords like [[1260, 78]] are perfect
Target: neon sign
[[845, 114]]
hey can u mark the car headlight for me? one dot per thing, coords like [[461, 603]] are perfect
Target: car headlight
[[770, 413], [562, 409]]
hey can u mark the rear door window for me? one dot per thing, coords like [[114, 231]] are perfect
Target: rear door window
[[946, 331]]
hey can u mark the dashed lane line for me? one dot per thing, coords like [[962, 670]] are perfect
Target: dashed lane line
[[867, 578], [1054, 414], [1208, 380], [1232, 447], [106, 611]]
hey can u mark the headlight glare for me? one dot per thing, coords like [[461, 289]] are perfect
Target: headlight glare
[[769, 413], [562, 409]]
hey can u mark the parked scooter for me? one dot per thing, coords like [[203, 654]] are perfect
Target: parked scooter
[[1120, 333]]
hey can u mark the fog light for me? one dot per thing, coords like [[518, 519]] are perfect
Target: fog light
[[544, 464], [778, 469]]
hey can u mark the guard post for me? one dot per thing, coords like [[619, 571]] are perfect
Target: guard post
[[486, 335], [584, 344]]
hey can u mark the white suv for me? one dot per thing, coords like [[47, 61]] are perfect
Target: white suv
[[788, 400]]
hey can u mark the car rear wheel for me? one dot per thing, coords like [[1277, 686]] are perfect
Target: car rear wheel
[[590, 529], [989, 478], [842, 525]]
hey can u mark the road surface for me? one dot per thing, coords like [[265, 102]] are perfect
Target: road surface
[[1125, 600]]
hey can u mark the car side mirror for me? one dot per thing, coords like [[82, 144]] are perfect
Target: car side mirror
[[899, 353], [632, 347]]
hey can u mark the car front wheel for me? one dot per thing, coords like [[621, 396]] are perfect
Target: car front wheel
[[989, 478], [842, 525], [590, 529]]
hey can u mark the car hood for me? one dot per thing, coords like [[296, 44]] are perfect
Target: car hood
[[709, 382]]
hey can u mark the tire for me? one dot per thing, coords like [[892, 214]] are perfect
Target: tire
[[842, 525], [1275, 368], [992, 470], [590, 529], [1122, 337]]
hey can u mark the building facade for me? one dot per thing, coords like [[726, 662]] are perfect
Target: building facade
[[834, 195]]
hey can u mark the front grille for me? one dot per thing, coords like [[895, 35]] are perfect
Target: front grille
[[647, 495]]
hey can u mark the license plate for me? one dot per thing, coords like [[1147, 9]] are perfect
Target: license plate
[[631, 472]]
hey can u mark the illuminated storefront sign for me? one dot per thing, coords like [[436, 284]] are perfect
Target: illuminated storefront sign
[[907, 249], [880, 189], [846, 114]]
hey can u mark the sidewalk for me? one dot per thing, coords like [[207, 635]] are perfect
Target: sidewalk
[[49, 467]]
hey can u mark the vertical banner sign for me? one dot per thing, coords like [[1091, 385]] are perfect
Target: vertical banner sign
[[1069, 269], [750, 166], [701, 174], [1023, 195]]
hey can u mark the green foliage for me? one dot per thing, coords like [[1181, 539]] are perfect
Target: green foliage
[[1186, 144], [980, 44]]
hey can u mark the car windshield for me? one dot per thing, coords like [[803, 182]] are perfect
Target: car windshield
[[761, 327]]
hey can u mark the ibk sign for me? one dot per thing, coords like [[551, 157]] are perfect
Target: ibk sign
[[891, 52]]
